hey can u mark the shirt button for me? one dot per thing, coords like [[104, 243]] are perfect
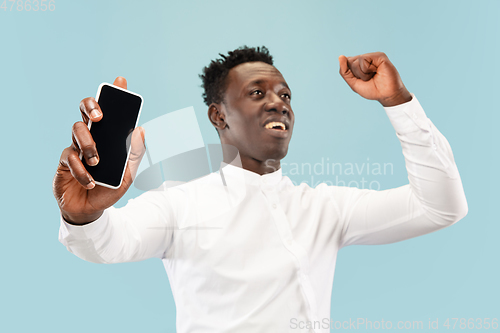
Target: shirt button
[[415, 116], [275, 206], [434, 146], [264, 180]]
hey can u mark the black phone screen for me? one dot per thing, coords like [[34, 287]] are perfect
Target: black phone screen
[[112, 135]]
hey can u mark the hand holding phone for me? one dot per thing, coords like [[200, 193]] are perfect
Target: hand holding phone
[[112, 134], [75, 190]]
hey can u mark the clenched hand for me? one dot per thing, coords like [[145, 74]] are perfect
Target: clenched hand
[[373, 76]]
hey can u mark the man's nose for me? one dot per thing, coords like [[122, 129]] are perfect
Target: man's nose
[[276, 104]]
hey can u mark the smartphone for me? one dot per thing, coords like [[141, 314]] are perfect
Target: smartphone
[[112, 135]]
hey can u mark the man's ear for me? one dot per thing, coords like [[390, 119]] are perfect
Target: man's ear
[[216, 116]]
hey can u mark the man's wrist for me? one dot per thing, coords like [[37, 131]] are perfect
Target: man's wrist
[[80, 219], [400, 98]]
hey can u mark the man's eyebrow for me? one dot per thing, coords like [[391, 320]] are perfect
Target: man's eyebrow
[[259, 81]]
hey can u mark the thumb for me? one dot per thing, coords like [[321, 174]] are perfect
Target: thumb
[[346, 72], [121, 82], [137, 150]]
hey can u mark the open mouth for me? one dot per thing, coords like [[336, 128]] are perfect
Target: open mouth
[[276, 125]]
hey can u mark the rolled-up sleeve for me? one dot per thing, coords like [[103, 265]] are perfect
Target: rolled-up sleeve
[[140, 230], [433, 199]]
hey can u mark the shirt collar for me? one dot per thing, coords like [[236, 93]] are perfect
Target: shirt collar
[[235, 171]]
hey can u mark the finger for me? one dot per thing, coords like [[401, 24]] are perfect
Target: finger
[[346, 72], [366, 65], [90, 110], [69, 159], [376, 58], [85, 143], [355, 66], [137, 150], [120, 82]]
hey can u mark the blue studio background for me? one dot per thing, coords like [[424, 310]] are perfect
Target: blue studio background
[[446, 53]]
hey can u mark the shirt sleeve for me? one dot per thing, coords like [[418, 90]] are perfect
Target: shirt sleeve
[[433, 199], [140, 230]]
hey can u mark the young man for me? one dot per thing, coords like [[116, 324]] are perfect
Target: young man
[[245, 250]]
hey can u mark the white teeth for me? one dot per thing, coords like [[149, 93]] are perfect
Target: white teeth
[[274, 124]]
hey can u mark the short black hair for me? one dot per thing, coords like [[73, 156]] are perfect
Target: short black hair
[[214, 75]]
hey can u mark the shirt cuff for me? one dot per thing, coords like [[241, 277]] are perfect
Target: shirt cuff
[[88, 230], [408, 117]]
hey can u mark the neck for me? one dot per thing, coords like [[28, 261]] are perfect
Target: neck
[[260, 167], [233, 157]]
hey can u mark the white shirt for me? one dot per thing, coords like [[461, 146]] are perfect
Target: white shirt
[[251, 253]]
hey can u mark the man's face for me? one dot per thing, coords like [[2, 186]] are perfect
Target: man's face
[[257, 112]]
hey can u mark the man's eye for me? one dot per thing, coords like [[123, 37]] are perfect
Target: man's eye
[[289, 97], [253, 92]]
